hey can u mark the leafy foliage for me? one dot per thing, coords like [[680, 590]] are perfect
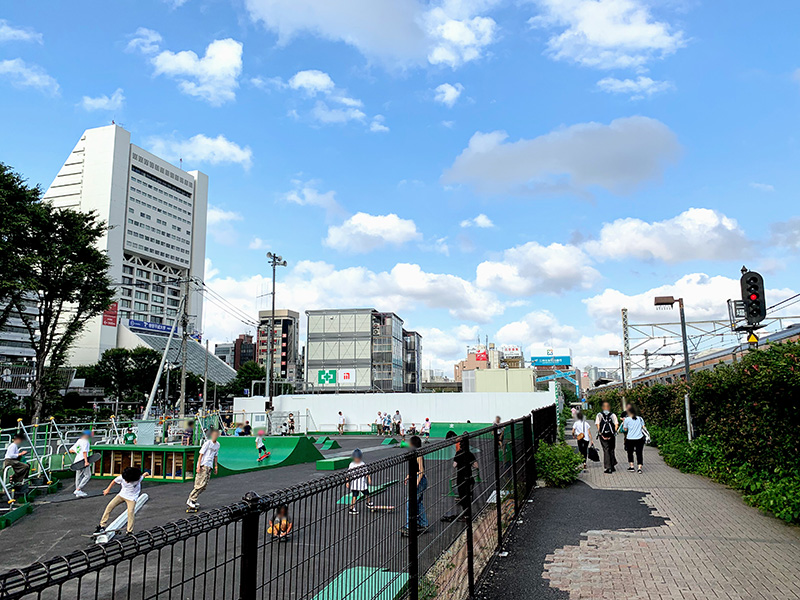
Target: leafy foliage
[[744, 415], [557, 464]]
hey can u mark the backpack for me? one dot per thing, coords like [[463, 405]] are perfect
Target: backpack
[[607, 424]]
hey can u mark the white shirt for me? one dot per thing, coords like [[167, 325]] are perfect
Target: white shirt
[[80, 447], [600, 416], [379, 421], [209, 452], [259, 441], [634, 427], [426, 426], [129, 491], [581, 427], [12, 451], [358, 483], [341, 419]]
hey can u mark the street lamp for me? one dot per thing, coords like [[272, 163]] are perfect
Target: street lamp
[[667, 303], [275, 261], [621, 370]]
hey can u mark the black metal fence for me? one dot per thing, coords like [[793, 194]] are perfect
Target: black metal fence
[[425, 530]]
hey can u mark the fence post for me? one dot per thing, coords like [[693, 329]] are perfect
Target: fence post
[[470, 550], [498, 488], [514, 466], [527, 443], [413, 530], [248, 573]]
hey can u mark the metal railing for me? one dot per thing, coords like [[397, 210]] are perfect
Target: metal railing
[[428, 534]]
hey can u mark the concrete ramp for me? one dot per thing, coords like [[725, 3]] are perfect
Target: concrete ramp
[[239, 454]]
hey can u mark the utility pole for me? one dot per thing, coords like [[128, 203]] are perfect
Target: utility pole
[[669, 302], [205, 379], [275, 261], [185, 340]]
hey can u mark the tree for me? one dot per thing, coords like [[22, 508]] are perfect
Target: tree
[[114, 373], [247, 373], [64, 272]]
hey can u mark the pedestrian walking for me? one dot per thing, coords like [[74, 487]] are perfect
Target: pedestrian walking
[[633, 425], [81, 449], [464, 463], [607, 426], [582, 432], [207, 463], [422, 485], [341, 423], [12, 459]]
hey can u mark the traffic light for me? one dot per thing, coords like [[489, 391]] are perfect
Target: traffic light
[[755, 304]]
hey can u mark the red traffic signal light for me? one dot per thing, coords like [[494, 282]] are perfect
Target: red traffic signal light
[[753, 297]]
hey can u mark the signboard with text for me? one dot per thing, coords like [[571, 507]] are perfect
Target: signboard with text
[[147, 325], [110, 315], [548, 361]]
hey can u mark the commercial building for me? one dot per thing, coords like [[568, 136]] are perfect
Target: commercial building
[[156, 237], [237, 352], [489, 356], [287, 361], [225, 352], [361, 349]]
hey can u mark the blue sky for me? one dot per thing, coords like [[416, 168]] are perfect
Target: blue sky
[[516, 169]]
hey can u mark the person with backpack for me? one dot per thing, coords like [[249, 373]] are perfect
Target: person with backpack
[[636, 436], [607, 426], [582, 432]]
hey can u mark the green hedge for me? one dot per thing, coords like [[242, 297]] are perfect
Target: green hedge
[[745, 418], [558, 464]]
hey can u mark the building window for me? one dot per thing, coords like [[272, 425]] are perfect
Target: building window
[[142, 273], [159, 299], [125, 303], [173, 301], [142, 295], [127, 269], [139, 306], [127, 280], [126, 292]]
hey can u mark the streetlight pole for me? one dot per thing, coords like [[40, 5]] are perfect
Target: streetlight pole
[[622, 371], [669, 302], [276, 261]]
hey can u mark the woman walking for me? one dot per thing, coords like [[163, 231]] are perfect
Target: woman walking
[[581, 431], [634, 427]]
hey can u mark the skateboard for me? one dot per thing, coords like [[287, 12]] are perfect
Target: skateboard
[[189, 509], [97, 534], [79, 465], [260, 458]]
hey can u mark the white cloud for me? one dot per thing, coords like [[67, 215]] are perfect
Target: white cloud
[[113, 102], [213, 78], [786, 233], [443, 348], [364, 232], [637, 88], [9, 33], [145, 41], [535, 269], [217, 216], [618, 157], [606, 34], [203, 149], [312, 82], [24, 75], [377, 124], [762, 187], [481, 221], [396, 33], [448, 93], [258, 244], [220, 225], [307, 194], [325, 114], [705, 298], [695, 234]]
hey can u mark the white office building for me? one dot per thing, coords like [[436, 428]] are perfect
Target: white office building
[[156, 239]]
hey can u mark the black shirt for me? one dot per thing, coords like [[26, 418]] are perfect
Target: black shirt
[[247, 430], [464, 460]]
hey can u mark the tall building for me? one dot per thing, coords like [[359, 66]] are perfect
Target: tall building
[[225, 352], [361, 349], [156, 237], [237, 352], [287, 365]]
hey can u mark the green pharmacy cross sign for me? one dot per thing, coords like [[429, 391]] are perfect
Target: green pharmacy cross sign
[[326, 376]]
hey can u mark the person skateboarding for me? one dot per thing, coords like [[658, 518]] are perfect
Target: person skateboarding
[[260, 446], [12, 459], [81, 450], [207, 462], [131, 487]]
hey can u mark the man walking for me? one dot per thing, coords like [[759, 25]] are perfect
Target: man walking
[[607, 426]]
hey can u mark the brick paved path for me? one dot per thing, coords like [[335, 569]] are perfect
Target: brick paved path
[[711, 546]]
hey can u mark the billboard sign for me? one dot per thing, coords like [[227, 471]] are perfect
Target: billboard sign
[[551, 361], [334, 376], [482, 355], [511, 351], [110, 315], [148, 326]]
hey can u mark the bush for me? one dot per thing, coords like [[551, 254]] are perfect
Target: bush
[[557, 464]]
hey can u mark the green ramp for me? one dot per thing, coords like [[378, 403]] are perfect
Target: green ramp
[[439, 430], [332, 464], [373, 489], [237, 454], [364, 583], [331, 445], [388, 442], [322, 439]]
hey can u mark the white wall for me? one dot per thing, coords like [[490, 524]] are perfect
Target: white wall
[[361, 410]]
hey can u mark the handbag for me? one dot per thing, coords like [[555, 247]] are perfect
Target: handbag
[[647, 438], [593, 454], [580, 436]]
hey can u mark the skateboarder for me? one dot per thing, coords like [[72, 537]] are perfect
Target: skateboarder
[[359, 480], [260, 446], [12, 459], [81, 450], [131, 484], [207, 462]]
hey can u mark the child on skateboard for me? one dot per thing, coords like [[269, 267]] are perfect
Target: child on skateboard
[[81, 450], [207, 462], [131, 487], [262, 449], [12, 459], [359, 480]]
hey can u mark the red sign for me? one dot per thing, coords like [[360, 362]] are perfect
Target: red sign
[[110, 315], [482, 355]]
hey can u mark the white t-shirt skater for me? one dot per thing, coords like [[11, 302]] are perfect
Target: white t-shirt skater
[[358, 483], [259, 441], [634, 428], [341, 419], [581, 427], [209, 452], [129, 491], [12, 451], [80, 447]]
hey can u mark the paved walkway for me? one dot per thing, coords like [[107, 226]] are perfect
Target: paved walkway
[[661, 535]]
